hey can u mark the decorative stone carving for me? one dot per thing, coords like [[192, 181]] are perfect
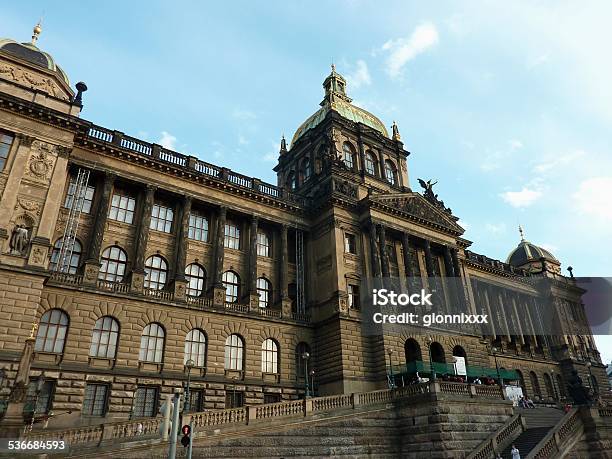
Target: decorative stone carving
[[30, 205], [38, 255], [41, 162], [91, 273], [20, 238], [32, 80], [345, 188]]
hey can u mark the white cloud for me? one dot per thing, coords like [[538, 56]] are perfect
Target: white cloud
[[167, 140], [403, 50], [495, 228], [558, 161], [272, 156], [523, 198], [360, 75], [463, 224], [515, 144], [242, 140], [242, 114], [593, 197]]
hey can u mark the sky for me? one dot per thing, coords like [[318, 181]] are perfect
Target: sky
[[508, 105]]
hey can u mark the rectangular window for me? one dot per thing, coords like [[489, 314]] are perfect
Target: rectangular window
[[350, 243], [233, 399], [145, 401], [232, 236], [353, 296], [198, 227], [161, 218], [95, 402], [6, 140], [87, 198], [263, 245], [122, 208], [272, 398], [196, 400], [39, 403]]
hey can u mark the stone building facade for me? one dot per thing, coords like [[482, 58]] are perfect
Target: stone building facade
[[133, 259]]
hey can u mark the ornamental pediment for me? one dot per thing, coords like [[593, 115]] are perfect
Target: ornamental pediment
[[416, 206]]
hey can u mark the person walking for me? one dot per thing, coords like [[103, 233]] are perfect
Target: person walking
[[515, 452]]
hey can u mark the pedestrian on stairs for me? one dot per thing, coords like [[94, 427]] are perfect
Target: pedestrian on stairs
[[515, 452]]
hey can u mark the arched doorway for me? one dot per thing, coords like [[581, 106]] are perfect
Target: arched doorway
[[437, 353], [550, 391], [412, 350], [535, 384]]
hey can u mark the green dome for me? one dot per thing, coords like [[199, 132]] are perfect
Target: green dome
[[337, 100]]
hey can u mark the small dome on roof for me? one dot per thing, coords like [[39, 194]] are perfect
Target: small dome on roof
[[527, 253]]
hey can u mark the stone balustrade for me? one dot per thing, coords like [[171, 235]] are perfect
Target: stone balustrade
[[500, 439], [551, 444]]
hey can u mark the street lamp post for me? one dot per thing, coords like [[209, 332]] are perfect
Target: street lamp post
[[306, 356], [312, 384], [189, 364], [432, 370], [390, 352], [494, 350]]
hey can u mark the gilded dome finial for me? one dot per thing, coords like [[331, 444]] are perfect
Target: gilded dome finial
[[522, 233], [36, 31]]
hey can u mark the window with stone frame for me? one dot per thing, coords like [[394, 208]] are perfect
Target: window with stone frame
[[87, 198], [234, 353], [146, 400], [271, 398], [198, 227], [122, 207], [104, 338], [231, 282], [6, 140], [350, 243], [263, 244], [161, 218], [95, 402], [370, 163], [390, 172], [231, 238], [306, 168], [72, 264], [113, 264], [152, 343], [195, 348], [353, 296], [39, 403], [233, 398], [196, 400], [196, 279], [300, 362], [269, 356], [156, 272], [264, 290], [348, 155], [52, 331]]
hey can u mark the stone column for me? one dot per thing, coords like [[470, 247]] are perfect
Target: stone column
[[361, 156], [92, 259], [451, 281], [42, 242], [428, 258], [284, 274], [219, 254], [384, 256], [408, 271], [485, 295], [142, 238], [180, 249], [9, 196], [253, 296], [374, 254]]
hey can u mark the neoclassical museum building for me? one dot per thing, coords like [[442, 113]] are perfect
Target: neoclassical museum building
[[136, 267]]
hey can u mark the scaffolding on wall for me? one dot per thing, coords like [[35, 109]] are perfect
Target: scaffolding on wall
[[76, 195]]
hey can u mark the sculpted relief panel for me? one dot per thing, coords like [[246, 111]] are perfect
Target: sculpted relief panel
[[32, 80], [41, 162]]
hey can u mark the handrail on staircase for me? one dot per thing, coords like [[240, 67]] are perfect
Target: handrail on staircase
[[552, 443], [499, 439]]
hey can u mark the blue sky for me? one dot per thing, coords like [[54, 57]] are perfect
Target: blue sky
[[507, 104]]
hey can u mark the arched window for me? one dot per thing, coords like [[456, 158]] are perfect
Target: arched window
[[231, 282], [550, 391], [437, 353], [114, 261], [348, 155], [52, 331], [263, 290], [390, 172], [269, 356], [156, 271], [263, 244], [234, 353], [291, 181], [195, 347], [458, 351], [412, 350], [196, 279], [300, 364], [306, 168], [370, 163], [152, 343], [537, 392], [104, 338], [71, 263]]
